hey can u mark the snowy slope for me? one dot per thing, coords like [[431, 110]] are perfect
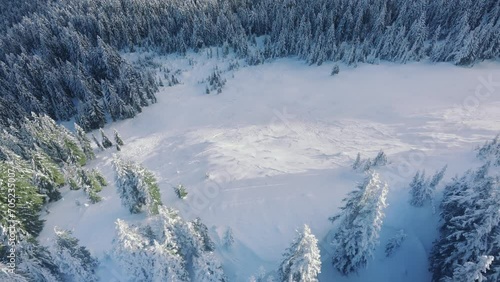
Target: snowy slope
[[273, 151]]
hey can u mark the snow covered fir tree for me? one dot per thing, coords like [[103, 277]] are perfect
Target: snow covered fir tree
[[395, 243], [74, 261], [228, 239], [301, 261], [422, 189], [35, 159], [468, 243], [166, 248], [137, 187], [359, 226], [105, 122]]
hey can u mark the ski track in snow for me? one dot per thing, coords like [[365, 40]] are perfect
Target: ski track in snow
[[273, 152]]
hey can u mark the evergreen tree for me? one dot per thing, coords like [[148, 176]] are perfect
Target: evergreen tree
[[380, 159], [6, 274], [207, 268], [395, 243], [99, 177], [146, 259], [37, 173], [335, 70], [91, 114], [129, 252], [360, 224], [465, 51], [357, 162], [202, 231], [35, 262], [418, 190], [471, 272], [118, 138], [166, 247], [74, 261], [180, 191], [301, 261], [191, 237], [167, 265], [84, 142], [490, 151], [228, 239], [437, 177], [418, 36], [137, 187], [54, 140], [47, 176], [98, 144], [106, 143], [28, 202], [215, 81], [368, 164], [422, 190], [75, 153], [92, 183], [471, 223]]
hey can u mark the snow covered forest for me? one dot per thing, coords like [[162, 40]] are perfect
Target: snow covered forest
[[75, 43], [192, 85]]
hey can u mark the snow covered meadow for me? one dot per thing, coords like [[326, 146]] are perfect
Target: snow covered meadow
[[274, 151]]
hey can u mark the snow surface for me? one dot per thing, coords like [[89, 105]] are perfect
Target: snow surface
[[273, 152]]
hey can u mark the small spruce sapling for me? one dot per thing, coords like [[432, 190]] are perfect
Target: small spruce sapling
[[437, 177], [357, 162], [395, 243], [335, 70], [73, 184], [118, 138], [228, 239], [422, 189], [180, 191], [106, 143], [92, 182], [99, 177], [98, 144], [367, 164], [380, 159]]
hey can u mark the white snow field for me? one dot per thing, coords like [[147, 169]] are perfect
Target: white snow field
[[273, 152]]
